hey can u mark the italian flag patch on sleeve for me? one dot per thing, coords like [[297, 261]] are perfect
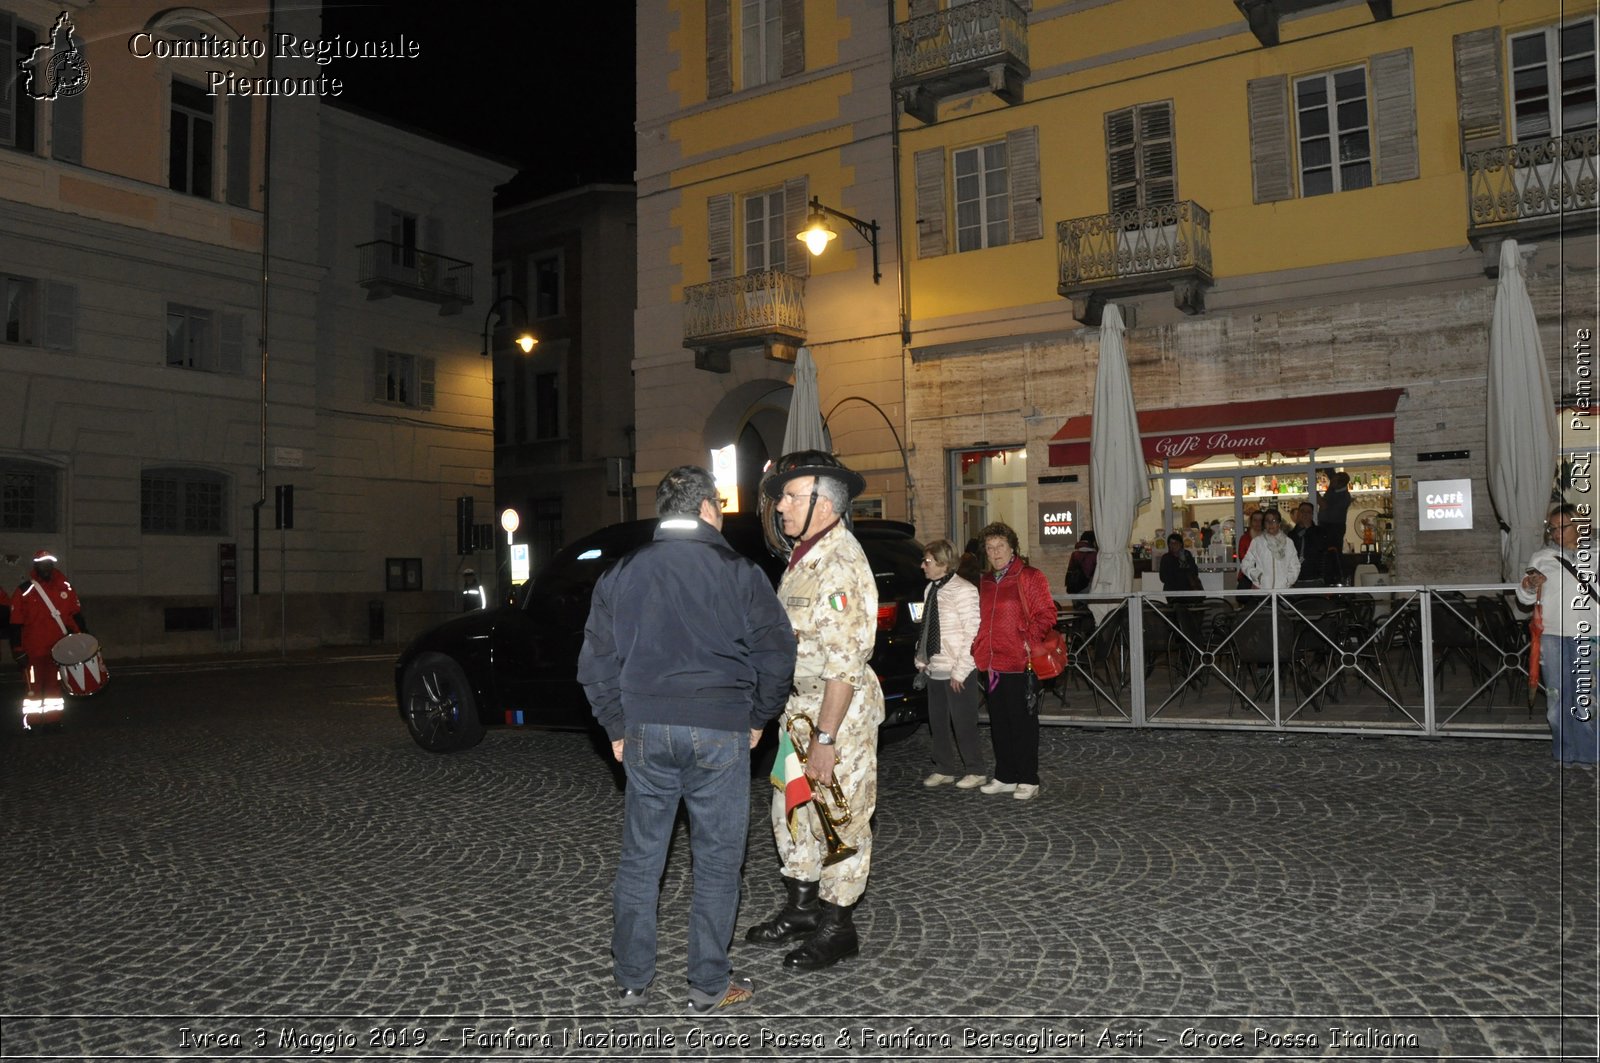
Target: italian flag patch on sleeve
[[839, 601]]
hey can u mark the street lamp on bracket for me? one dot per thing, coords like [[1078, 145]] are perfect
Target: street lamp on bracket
[[818, 233], [525, 339]]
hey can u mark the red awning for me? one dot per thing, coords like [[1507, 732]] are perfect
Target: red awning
[[1184, 435]]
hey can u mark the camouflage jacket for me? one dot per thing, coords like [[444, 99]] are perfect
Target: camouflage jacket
[[832, 602]]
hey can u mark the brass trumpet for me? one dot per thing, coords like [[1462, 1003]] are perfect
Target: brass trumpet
[[831, 821]]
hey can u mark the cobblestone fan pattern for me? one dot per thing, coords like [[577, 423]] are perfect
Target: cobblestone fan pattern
[[265, 854]]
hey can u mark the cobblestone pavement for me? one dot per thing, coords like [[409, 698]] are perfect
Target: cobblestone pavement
[[263, 854]]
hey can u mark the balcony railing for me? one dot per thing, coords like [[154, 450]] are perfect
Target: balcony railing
[[966, 46], [1531, 187], [766, 307], [390, 268], [1131, 251]]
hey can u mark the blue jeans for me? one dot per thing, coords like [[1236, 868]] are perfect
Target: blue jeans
[[1568, 667], [710, 771]]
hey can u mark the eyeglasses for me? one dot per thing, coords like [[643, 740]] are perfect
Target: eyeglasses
[[797, 499]]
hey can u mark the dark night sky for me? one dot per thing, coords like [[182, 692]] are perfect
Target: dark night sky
[[546, 86]]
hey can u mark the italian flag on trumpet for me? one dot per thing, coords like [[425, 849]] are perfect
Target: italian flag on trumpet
[[789, 776]]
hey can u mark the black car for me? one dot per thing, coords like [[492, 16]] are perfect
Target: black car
[[517, 664]]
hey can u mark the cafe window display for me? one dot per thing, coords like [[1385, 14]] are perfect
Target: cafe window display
[[1211, 466], [1219, 492]]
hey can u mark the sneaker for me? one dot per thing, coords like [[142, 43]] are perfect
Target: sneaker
[[633, 998], [740, 992], [995, 786], [938, 779], [1026, 791], [967, 782]]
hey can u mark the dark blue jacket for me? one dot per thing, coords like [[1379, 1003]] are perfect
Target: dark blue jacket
[[686, 631]]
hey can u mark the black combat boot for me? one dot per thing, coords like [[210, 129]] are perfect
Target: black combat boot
[[799, 917], [834, 939]]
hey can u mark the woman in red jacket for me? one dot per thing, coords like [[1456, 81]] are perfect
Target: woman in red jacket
[[1015, 611]]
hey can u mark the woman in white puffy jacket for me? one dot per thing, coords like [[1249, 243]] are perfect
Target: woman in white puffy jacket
[[944, 655], [1556, 578]]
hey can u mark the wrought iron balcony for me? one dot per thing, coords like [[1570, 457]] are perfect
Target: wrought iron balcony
[[390, 268], [982, 44], [1264, 15], [1128, 252], [765, 308], [1534, 188]]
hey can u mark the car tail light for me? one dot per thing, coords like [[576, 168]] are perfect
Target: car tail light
[[886, 616]]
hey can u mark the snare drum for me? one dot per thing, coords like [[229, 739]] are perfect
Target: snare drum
[[82, 668]]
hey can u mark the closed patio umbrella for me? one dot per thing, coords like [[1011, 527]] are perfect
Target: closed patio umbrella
[[1522, 418], [804, 429], [1118, 480]]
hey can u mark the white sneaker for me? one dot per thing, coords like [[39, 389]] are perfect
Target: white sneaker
[[1026, 791], [967, 782], [938, 779], [995, 786]]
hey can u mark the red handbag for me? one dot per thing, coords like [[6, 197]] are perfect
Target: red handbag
[[1049, 658]]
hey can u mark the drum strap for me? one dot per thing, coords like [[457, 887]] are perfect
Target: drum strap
[[48, 604]]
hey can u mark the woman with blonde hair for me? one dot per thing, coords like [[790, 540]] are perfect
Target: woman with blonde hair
[[944, 656]]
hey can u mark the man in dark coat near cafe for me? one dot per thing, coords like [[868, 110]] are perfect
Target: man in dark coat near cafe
[[686, 657]]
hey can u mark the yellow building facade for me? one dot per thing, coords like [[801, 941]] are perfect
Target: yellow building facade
[[1298, 208]]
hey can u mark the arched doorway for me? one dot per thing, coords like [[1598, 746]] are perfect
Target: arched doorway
[[752, 415]]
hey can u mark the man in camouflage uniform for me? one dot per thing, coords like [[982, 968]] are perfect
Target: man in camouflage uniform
[[832, 602]]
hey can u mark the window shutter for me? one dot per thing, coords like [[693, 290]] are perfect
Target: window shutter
[[719, 49], [13, 78], [1158, 161], [1122, 161], [1480, 109], [719, 240], [380, 376], [60, 315], [920, 8], [1395, 114], [1022, 157], [425, 389], [239, 151], [66, 129], [793, 15], [1140, 161], [929, 167], [230, 343], [796, 207], [1270, 172]]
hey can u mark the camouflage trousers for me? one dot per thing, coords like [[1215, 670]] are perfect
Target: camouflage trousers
[[856, 770]]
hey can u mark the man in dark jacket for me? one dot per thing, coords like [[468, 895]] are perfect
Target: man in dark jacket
[[686, 657]]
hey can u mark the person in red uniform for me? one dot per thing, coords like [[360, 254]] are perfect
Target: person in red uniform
[[36, 627]]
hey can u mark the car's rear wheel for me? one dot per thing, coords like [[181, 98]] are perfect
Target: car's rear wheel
[[440, 711]]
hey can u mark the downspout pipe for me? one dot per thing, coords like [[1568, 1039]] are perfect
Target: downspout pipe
[[900, 273], [266, 291], [899, 212]]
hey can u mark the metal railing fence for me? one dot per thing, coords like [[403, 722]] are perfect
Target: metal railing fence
[[1419, 660]]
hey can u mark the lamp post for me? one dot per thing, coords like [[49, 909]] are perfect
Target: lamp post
[[817, 233], [525, 339]]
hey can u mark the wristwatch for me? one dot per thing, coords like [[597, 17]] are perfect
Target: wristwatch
[[824, 738]]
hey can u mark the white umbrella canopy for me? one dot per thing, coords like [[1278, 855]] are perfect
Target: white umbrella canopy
[[804, 430], [1119, 483], [1522, 418]]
